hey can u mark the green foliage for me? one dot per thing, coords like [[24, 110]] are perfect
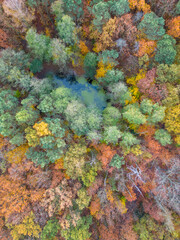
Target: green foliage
[[80, 232], [50, 230], [157, 115], [90, 63], [27, 116], [152, 26], [163, 137], [74, 160], [15, 59], [38, 44], [133, 114], [74, 8], [117, 161], [89, 176], [8, 125], [128, 139], [83, 199], [168, 73], [166, 50], [112, 134], [66, 30], [119, 7], [148, 229], [59, 52], [101, 14], [8, 103], [111, 116], [36, 65], [146, 106], [112, 76], [119, 93], [57, 9], [56, 102], [109, 57]]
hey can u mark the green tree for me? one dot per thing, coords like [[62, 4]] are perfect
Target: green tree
[[66, 30], [117, 161], [80, 231], [38, 44], [152, 26], [8, 103], [163, 137], [166, 50], [157, 114], [74, 160], [59, 53], [50, 230], [112, 134], [90, 63], [56, 102], [146, 106], [119, 7], [128, 140], [27, 116], [74, 8], [112, 76], [83, 199], [101, 14], [57, 9], [111, 116], [133, 114], [168, 73]]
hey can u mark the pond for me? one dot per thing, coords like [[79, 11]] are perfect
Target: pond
[[90, 95]]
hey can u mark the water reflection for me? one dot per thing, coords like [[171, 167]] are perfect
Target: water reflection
[[90, 94]]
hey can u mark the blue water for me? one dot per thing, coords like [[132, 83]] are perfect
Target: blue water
[[89, 94]]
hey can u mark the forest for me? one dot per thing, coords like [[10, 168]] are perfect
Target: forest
[[89, 119]]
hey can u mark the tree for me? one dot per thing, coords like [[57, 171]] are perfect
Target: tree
[[111, 116], [27, 116], [163, 137], [83, 199], [39, 45], [28, 227], [120, 7], [133, 114], [140, 5], [90, 63], [57, 9], [14, 197], [112, 134], [166, 50], [146, 106], [168, 73], [101, 14], [152, 26], [66, 30], [157, 114], [112, 76], [128, 139], [172, 119], [74, 160], [81, 231], [50, 230], [117, 161], [56, 102], [174, 27], [148, 228], [74, 9]]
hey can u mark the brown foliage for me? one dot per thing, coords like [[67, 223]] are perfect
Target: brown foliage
[[105, 155], [4, 39], [174, 27], [14, 197], [150, 89], [108, 233]]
